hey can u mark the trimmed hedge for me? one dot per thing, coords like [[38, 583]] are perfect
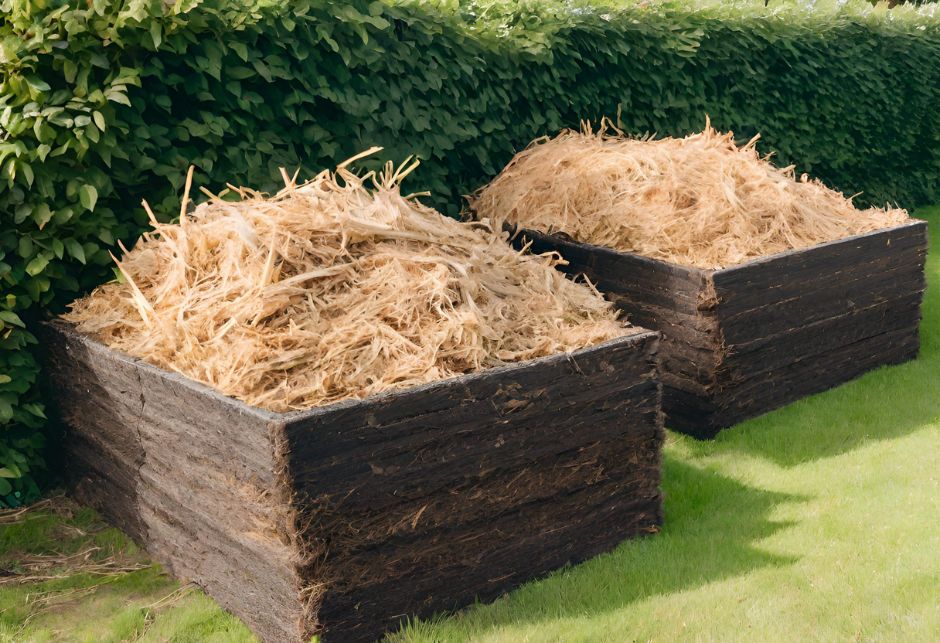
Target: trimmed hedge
[[105, 102]]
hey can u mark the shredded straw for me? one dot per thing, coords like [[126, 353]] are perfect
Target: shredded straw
[[337, 288], [699, 201]]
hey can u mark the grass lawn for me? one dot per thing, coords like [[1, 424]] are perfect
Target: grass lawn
[[818, 521]]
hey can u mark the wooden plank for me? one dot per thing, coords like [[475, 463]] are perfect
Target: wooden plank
[[387, 485], [798, 379], [773, 320], [876, 283], [704, 415], [647, 282], [809, 262], [611, 262], [850, 273], [583, 526], [198, 464], [248, 574], [793, 344], [105, 455], [441, 395], [374, 471], [698, 328]]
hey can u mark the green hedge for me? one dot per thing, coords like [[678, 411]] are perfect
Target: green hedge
[[105, 102]]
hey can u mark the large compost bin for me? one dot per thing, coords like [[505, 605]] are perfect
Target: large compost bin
[[334, 408], [741, 341], [346, 518], [766, 286]]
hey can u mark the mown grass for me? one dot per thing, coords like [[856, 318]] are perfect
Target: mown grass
[[65, 575], [819, 521]]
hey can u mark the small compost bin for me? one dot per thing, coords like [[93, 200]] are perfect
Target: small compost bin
[[741, 341], [348, 518], [766, 286], [334, 408]]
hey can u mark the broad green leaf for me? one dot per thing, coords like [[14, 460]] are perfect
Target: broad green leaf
[[34, 409], [119, 97], [88, 196], [156, 31], [11, 318], [38, 84], [27, 172], [75, 250], [37, 265], [41, 215]]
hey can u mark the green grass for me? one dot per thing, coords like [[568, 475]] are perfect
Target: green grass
[[819, 521], [124, 597]]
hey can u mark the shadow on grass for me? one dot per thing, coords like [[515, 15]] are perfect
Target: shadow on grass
[[887, 403], [712, 525]]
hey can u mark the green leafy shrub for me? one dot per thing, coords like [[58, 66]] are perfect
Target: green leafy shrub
[[105, 102]]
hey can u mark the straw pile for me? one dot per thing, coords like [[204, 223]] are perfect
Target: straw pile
[[335, 289], [698, 201]]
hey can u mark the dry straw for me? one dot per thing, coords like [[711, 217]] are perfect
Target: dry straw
[[337, 288], [698, 201]]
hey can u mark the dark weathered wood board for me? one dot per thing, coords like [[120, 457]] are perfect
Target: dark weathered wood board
[[741, 341], [344, 519]]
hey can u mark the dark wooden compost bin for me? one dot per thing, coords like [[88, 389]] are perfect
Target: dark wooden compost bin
[[347, 518], [744, 340]]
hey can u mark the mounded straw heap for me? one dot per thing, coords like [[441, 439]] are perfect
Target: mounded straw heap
[[332, 290], [697, 201]]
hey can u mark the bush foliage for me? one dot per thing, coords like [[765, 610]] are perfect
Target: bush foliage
[[103, 102]]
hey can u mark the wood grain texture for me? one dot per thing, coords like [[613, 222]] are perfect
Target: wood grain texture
[[344, 519], [492, 479], [741, 341], [200, 489]]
